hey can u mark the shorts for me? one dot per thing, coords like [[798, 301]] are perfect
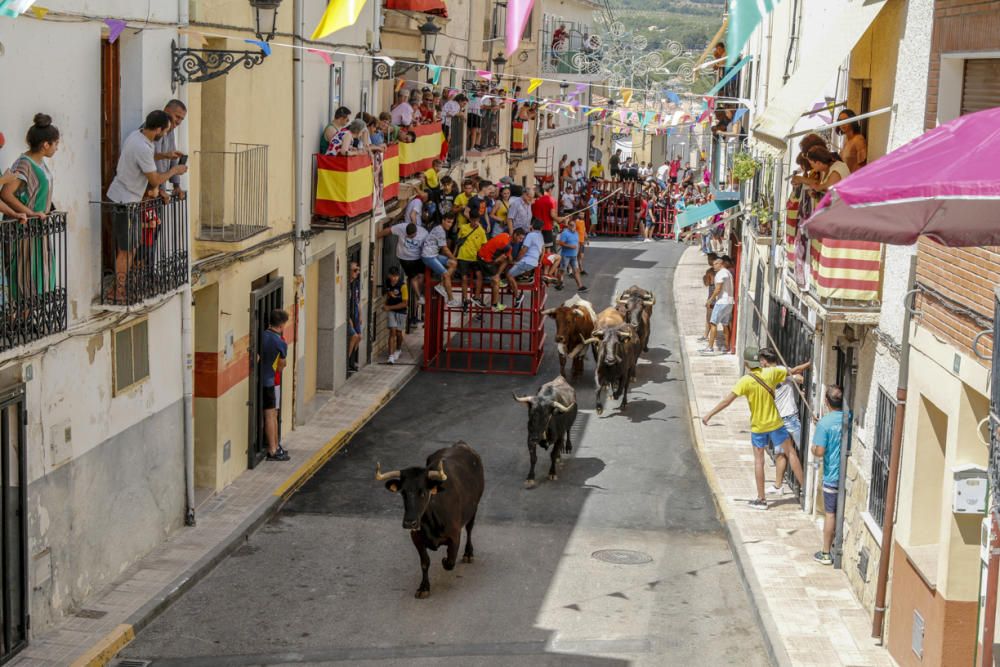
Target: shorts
[[722, 314], [351, 330], [794, 427], [488, 269], [120, 227], [777, 437], [397, 319], [467, 267], [520, 269], [269, 398], [830, 498], [412, 267], [548, 237], [475, 120], [438, 265], [615, 173], [673, 179], [649, 222], [568, 263]]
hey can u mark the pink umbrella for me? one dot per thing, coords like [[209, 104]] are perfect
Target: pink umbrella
[[944, 185]]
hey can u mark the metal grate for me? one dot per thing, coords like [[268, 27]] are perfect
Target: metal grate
[[885, 420], [994, 460], [234, 193], [91, 614]]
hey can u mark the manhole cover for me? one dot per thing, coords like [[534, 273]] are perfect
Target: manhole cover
[[622, 556]]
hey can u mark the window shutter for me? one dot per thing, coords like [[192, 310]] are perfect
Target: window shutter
[[981, 85]]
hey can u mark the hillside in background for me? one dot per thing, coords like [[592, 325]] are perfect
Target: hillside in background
[[692, 23]]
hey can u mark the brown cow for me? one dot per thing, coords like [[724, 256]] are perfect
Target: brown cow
[[574, 325], [636, 306], [608, 318]]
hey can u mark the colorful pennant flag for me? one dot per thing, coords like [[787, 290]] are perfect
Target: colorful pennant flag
[[339, 14], [533, 84], [744, 17], [435, 71], [739, 113], [115, 29], [593, 111], [39, 12], [626, 96], [646, 118], [14, 8], [264, 46], [484, 74], [518, 13], [327, 58]]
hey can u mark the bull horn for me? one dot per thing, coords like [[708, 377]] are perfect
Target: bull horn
[[625, 334], [591, 341], [649, 300], [521, 399], [380, 476], [438, 474], [562, 408], [623, 299], [547, 311]]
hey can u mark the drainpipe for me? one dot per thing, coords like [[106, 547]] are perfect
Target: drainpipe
[[990, 608], [301, 212], [187, 328], [888, 521]]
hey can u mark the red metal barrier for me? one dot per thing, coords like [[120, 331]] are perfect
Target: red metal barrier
[[618, 211], [481, 340]]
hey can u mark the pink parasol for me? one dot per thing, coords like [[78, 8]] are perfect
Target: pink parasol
[[945, 185]]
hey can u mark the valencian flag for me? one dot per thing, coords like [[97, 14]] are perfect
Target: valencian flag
[[419, 155], [744, 17], [344, 186], [436, 7], [390, 172]]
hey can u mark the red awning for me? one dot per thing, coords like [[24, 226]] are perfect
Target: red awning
[[436, 7]]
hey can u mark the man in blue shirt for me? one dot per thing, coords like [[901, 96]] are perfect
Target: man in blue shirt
[[826, 444], [569, 248], [273, 351], [526, 261]]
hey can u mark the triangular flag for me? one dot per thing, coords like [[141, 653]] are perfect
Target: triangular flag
[[387, 60], [739, 113], [646, 118], [484, 74], [532, 85], [593, 111], [264, 46], [327, 58], [673, 97], [626, 96], [115, 28], [518, 13], [39, 12], [744, 17], [400, 83], [435, 71], [339, 14], [704, 115]]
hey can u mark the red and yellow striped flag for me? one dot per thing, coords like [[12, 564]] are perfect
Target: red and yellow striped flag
[[344, 186]]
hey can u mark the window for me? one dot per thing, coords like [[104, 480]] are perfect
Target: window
[[980, 85], [885, 419], [131, 350], [336, 87]]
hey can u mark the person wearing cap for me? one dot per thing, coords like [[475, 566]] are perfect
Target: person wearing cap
[[766, 426]]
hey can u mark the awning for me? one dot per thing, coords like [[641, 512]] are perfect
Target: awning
[[820, 62], [690, 216], [436, 7]]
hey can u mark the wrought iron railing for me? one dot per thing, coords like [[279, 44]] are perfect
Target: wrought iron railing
[[33, 278], [456, 140], [572, 52], [234, 193], [885, 419], [994, 458], [489, 134], [146, 250]]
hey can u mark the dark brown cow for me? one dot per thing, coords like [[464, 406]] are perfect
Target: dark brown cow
[[574, 325], [617, 353], [636, 306]]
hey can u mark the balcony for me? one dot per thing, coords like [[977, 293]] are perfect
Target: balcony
[[456, 140], [33, 278], [489, 135], [568, 52], [233, 203], [145, 250]]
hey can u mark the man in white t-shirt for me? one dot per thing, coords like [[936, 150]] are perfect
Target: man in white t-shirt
[[409, 242], [473, 116], [721, 302], [450, 109], [402, 113], [785, 399]]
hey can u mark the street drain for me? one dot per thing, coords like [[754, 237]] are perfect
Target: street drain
[[622, 557]]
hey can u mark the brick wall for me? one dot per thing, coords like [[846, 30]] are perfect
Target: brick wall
[[966, 276]]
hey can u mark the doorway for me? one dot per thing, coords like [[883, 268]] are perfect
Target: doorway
[[14, 532], [354, 309], [266, 295], [326, 322]]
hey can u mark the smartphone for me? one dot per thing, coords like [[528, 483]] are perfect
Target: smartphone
[[183, 160]]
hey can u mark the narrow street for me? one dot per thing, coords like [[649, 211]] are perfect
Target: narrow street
[[331, 578]]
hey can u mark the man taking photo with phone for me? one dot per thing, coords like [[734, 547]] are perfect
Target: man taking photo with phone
[[165, 148]]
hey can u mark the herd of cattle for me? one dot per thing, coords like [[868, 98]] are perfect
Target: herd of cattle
[[435, 513]]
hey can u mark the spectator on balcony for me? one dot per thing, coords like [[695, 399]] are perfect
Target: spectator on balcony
[[519, 213], [9, 177], [855, 150], [341, 141], [829, 169], [134, 174], [166, 153], [826, 446], [388, 130], [440, 260], [402, 111], [451, 109], [426, 111], [474, 119], [614, 164], [360, 141], [376, 138], [28, 193], [341, 118], [527, 259], [560, 37]]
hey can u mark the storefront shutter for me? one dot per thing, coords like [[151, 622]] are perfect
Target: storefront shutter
[[981, 86]]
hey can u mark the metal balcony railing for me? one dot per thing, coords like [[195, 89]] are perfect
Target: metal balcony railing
[[490, 133], [146, 250], [33, 279], [457, 137], [234, 193], [570, 52]]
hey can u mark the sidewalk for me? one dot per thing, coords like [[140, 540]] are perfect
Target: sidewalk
[[808, 611], [109, 620]]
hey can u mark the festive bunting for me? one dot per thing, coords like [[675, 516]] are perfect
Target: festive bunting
[[115, 28], [327, 58], [518, 13], [339, 14], [647, 118], [739, 113], [593, 111], [704, 116], [673, 97], [744, 17], [626, 96], [14, 8], [533, 84], [399, 84], [39, 12], [435, 71], [387, 60], [484, 74], [264, 46]]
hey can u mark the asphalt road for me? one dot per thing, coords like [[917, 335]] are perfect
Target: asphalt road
[[330, 580]]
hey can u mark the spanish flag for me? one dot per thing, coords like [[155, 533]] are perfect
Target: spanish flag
[[517, 135], [339, 14], [344, 186], [436, 7], [418, 155], [390, 172]]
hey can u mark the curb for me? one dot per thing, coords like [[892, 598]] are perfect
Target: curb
[[773, 643], [111, 644]]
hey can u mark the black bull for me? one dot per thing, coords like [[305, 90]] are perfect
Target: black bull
[[438, 501], [617, 354], [551, 413], [636, 306]]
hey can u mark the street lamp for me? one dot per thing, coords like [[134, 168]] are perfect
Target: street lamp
[[563, 86], [429, 31], [498, 64], [265, 18]]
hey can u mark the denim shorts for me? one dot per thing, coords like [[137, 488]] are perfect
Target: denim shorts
[[794, 427], [829, 499], [438, 265], [776, 437], [520, 268], [397, 319], [568, 263], [722, 314]]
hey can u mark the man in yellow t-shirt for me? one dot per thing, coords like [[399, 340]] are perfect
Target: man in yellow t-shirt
[[597, 171], [766, 425], [461, 203], [471, 237]]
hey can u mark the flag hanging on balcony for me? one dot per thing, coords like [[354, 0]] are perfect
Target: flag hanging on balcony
[[339, 14], [744, 17], [390, 172], [518, 13], [436, 7], [417, 155], [344, 186], [517, 135]]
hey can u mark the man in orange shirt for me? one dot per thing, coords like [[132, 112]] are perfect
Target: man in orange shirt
[[492, 259], [581, 230]]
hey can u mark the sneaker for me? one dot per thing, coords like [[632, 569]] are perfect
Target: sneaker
[[582, 272], [775, 490], [519, 300], [439, 288], [420, 299], [823, 557], [581, 288], [279, 455], [758, 504], [702, 339], [391, 359], [499, 308], [708, 351], [477, 302], [454, 303], [503, 284], [559, 286]]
